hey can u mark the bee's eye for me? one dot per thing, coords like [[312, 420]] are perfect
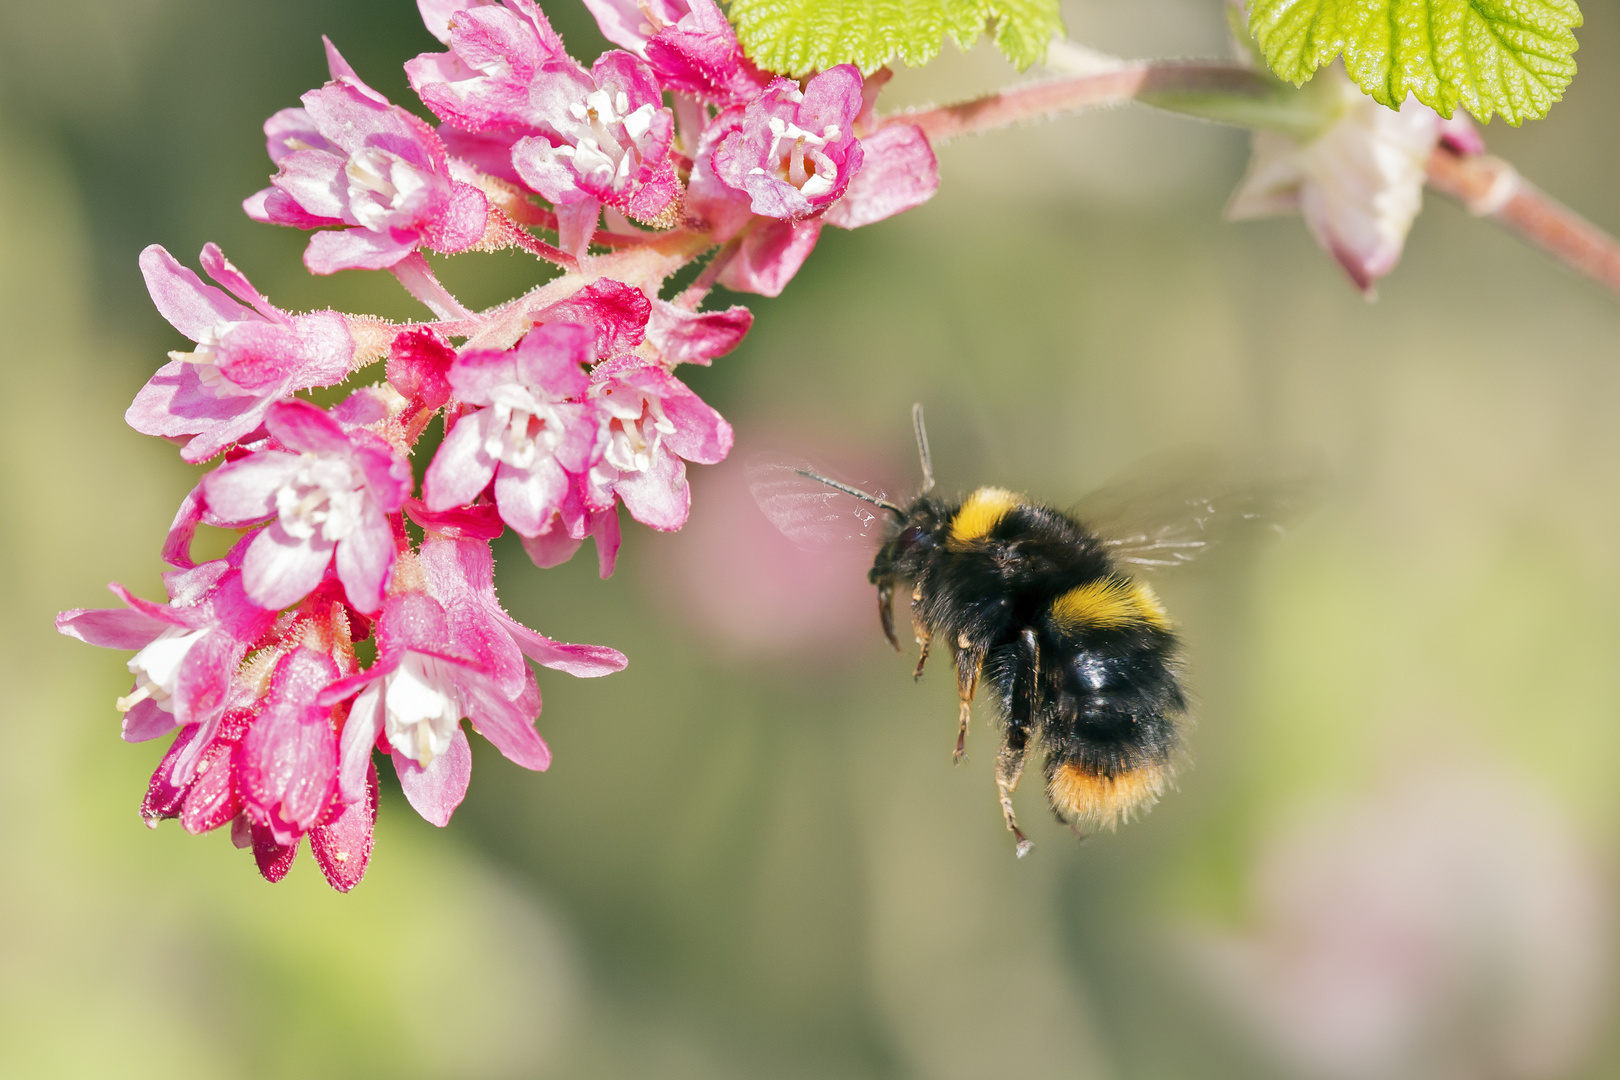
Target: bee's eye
[[912, 536]]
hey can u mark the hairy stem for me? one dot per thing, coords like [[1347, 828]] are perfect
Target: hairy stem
[[1142, 80], [646, 267], [1488, 186]]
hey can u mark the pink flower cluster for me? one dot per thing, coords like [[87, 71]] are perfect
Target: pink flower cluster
[[556, 408]]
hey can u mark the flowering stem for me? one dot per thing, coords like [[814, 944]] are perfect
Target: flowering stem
[[646, 266], [694, 293], [1144, 80], [1488, 186], [414, 273]]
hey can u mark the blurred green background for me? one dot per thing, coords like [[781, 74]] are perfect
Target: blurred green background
[[1392, 855]]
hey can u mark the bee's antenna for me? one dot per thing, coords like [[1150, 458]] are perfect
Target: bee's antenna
[[897, 511], [922, 447]]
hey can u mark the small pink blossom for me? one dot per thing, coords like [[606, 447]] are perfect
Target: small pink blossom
[[327, 497], [794, 153], [605, 141], [496, 52], [287, 760], [424, 681], [446, 653], [248, 356], [680, 336], [689, 44], [524, 433], [377, 169], [185, 651], [652, 424], [750, 182], [617, 311], [460, 573], [419, 367]]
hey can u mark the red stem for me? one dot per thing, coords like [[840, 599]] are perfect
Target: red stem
[[1486, 185], [1489, 187]]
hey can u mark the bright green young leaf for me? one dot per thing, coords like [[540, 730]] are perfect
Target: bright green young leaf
[[1513, 57], [797, 37]]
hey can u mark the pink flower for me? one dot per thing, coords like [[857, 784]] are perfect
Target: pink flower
[[186, 651], [419, 365], [689, 44], [496, 52], [444, 656], [774, 173], [618, 312], [460, 573], [793, 153], [375, 167], [287, 759], [650, 422], [1358, 183], [248, 356], [327, 497], [680, 336], [525, 435], [606, 142]]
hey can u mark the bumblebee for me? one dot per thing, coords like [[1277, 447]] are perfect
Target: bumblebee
[[1079, 656]]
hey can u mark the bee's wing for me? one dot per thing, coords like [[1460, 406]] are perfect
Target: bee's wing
[[1170, 510], [808, 512]]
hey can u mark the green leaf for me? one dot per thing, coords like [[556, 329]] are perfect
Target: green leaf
[[797, 37], [1513, 57]]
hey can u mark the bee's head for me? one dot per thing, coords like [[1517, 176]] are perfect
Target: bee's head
[[914, 538]]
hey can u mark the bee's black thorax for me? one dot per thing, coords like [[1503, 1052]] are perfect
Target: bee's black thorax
[[1077, 655]]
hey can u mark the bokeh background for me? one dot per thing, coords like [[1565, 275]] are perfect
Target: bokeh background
[[1393, 855]]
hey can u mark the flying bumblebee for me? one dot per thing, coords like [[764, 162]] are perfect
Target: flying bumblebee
[[1080, 657]]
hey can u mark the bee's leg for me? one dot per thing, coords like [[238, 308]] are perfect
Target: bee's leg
[[1015, 746], [886, 612], [1009, 767], [968, 663], [921, 631]]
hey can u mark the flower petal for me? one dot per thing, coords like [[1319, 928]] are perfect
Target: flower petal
[[342, 845], [509, 725], [460, 468], [364, 558], [436, 791], [581, 661], [898, 172], [244, 491], [280, 570], [354, 249], [147, 721], [528, 498], [359, 735], [182, 298]]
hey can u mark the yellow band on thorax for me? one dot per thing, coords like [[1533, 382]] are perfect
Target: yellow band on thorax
[[981, 513]]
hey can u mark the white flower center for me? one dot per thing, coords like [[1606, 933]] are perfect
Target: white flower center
[[326, 495], [206, 362], [157, 668], [600, 153], [799, 157], [522, 427], [636, 428], [382, 187], [421, 707]]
